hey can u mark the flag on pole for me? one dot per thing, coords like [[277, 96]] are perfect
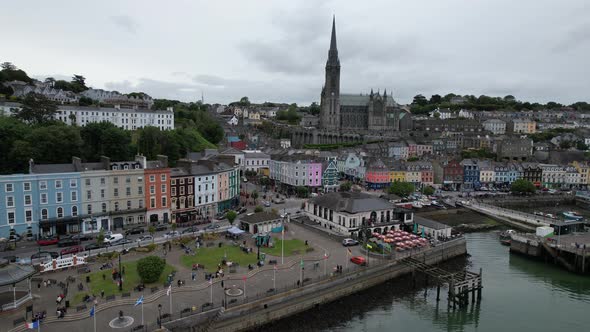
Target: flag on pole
[[92, 312], [169, 290], [139, 301], [325, 255], [210, 281], [275, 267], [349, 252], [33, 325]]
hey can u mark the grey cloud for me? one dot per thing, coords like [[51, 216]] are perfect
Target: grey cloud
[[575, 37], [126, 22]]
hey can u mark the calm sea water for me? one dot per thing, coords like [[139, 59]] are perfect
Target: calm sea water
[[519, 295]]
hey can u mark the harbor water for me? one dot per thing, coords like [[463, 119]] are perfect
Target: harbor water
[[519, 294]]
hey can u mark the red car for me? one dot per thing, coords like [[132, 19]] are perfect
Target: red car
[[48, 241], [360, 260], [72, 250]]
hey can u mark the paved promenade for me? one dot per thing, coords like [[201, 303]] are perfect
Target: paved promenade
[[194, 293]]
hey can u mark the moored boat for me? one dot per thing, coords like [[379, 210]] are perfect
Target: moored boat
[[572, 215]]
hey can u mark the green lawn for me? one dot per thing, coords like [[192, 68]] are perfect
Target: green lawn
[[130, 280], [210, 257], [290, 246]]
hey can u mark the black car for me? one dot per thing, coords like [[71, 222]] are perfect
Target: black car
[[93, 246], [242, 210], [67, 242], [191, 229], [161, 227], [135, 230], [82, 237]]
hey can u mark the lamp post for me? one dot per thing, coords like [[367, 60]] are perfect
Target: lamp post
[[120, 274], [160, 315]]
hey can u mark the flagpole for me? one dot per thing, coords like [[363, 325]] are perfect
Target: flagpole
[[283, 245], [94, 316], [170, 299], [325, 262], [274, 278], [211, 291], [141, 312]]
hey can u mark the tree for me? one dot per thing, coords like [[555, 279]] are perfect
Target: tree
[[100, 237], [255, 196], [174, 226], [85, 101], [8, 66], [314, 108], [244, 101], [429, 190], [580, 145], [402, 189], [79, 83], [106, 139], [346, 186], [50, 81], [231, 217], [55, 144], [258, 208], [150, 268], [435, 99], [152, 231], [522, 186], [302, 192], [420, 100], [36, 109]]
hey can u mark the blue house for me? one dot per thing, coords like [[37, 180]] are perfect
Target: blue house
[[18, 204], [470, 174]]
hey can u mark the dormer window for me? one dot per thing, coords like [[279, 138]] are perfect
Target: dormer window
[[115, 167]]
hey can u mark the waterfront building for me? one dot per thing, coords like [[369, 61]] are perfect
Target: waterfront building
[[398, 150], [432, 228], [453, 174], [487, 173], [377, 174], [553, 176], [397, 173], [127, 199], [573, 179], [182, 195], [157, 190], [501, 177], [533, 173], [348, 212], [296, 170], [413, 173], [583, 170], [20, 208], [256, 161], [470, 173]]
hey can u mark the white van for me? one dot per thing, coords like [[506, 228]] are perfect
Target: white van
[[109, 239]]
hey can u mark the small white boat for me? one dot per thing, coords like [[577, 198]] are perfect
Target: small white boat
[[417, 205], [572, 215]]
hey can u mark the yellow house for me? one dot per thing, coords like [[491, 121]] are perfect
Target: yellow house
[[583, 170], [397, 174]]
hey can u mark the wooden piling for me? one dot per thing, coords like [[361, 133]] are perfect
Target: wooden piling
[[437, 291]]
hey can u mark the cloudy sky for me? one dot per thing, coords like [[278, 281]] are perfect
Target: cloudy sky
[[537, 50]]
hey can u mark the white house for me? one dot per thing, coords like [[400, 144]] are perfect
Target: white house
[[256, 160], [233, 121], [496, 126], [126, 118], [285, 143], [432, 228], [261, 222]]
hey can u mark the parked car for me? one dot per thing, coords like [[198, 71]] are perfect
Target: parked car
[[120, 242], [359, 260], [145, 238], [161, 227], [135, 230], [67, 242], [11, 259], [47, 241], [171, 234], [109, 239], [212, 227], [93, 246], [242, 210], [349, 242], [41, 257], [192, 229], [82, 237], [266, 203], [72, 250]]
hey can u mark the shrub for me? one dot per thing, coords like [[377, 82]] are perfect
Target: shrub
[[150, 268], [258, 208]]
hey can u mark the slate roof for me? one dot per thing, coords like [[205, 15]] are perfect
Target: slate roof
[[361, 100], [13, 273], [260, 217], [352, 202], [429, 223]]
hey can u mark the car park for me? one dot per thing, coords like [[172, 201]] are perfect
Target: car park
[[359, 260], [47, 241], [172, 234], [349, 242], [135, 230], [71, 250]]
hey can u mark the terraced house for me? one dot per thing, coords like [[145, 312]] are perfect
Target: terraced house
[[296, 170]]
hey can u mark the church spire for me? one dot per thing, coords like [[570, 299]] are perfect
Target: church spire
[[333, 52]]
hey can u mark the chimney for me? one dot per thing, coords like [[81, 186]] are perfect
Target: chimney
[[31, 165], [118, 107], [77, 162], [163, 160], [142, 160], [106, 162]]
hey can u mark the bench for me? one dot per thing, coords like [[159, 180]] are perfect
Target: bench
[[154, 289], [18, 321], [110, 297], [126, 295], [80, 307], [138, 328], [233, 301]]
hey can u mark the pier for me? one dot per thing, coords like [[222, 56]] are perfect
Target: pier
[[517, 219], [460, 284]]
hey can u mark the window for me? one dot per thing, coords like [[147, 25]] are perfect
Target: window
[[102, 193], [173, 191], [206, 199], [58, 184], [128, 205], [74, 196], [190, 180], [116, 180], [128, 191], [127, 180], [140, 190], [11, 217], [163, 177], [87, 182], [141, 203], [9, 187], [181, 191], [152, 202], [28, 215], [43, 198], [103, 181], [139, 179], [42, 185], [116, 206], [59, 197], [206, 187], [181, 181], [116, 192], [28, 200], [173, 182], [27, 186], [164, 201], [152, 178], [152, 190], [88, 194], [104, 207], [60, 212], [43, 214], [212, 186], [163, 188], [74, 211], [73, 183]]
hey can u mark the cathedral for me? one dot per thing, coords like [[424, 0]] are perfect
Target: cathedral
[[357, 113]]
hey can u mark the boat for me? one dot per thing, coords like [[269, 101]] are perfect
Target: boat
[[551, 216], [505, 242], [538, 213], [506, 235], [416, 204], [572, 215]]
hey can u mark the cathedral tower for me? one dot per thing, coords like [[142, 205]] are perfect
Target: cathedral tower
[[330, 99]]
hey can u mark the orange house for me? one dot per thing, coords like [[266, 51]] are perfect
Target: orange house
[[157, 192]]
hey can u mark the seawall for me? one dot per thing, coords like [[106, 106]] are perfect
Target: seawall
[[260, 312]]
